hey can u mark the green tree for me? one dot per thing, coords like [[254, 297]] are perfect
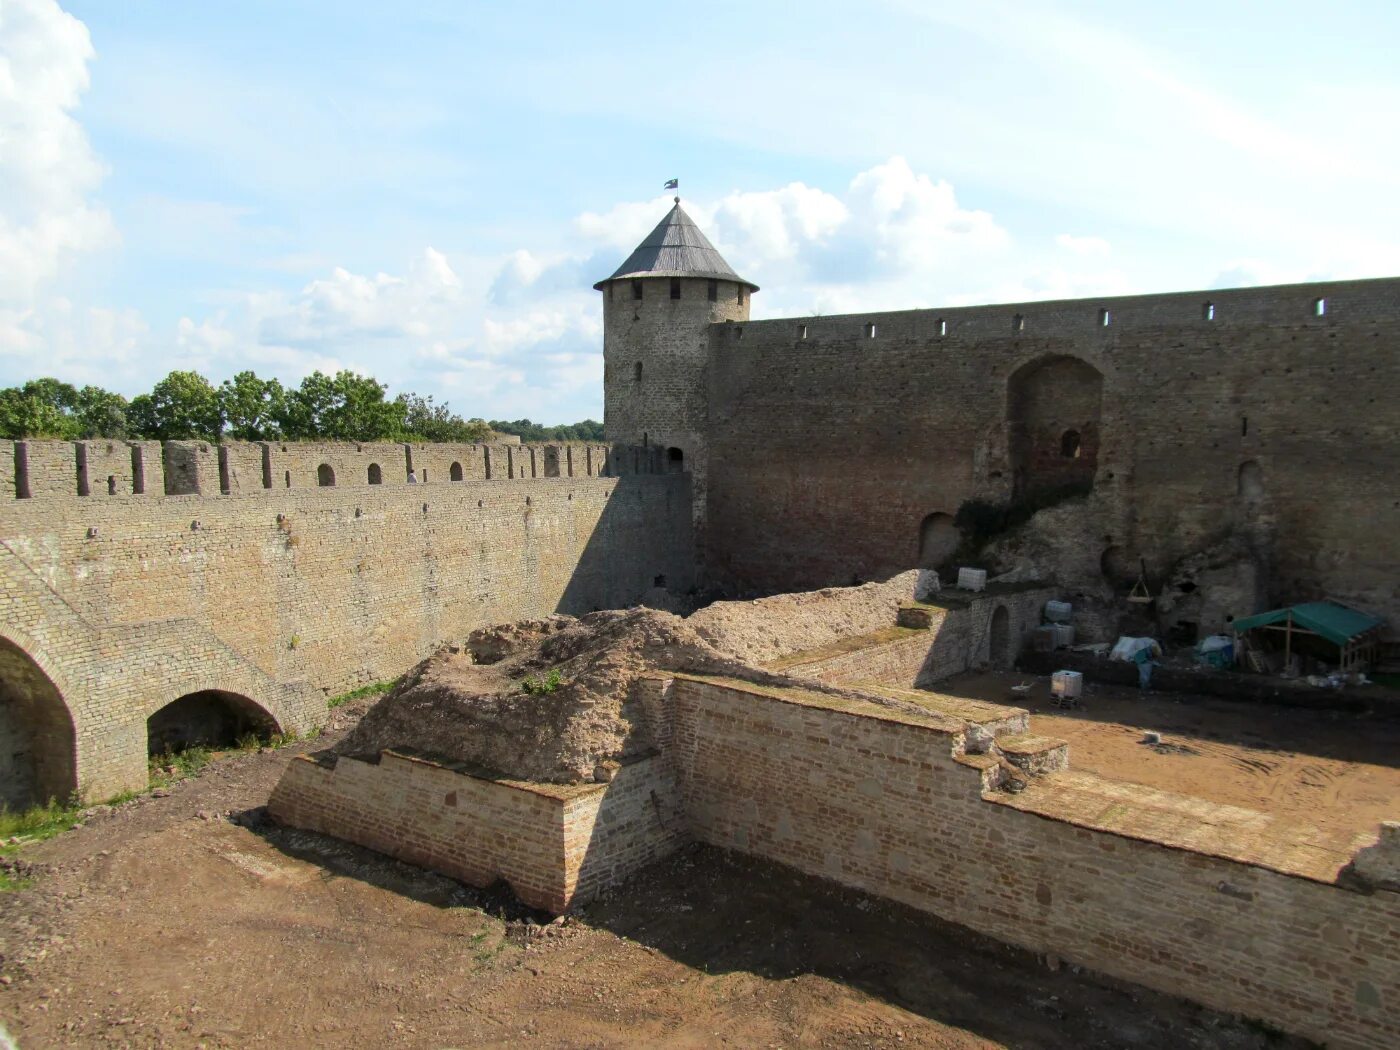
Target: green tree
[[426, 421], [39, 408], [54, 409], [182, 406], [343, 407], [100, 413], [251, 407]]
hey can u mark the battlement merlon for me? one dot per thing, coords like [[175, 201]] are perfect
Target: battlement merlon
[[76, 470]]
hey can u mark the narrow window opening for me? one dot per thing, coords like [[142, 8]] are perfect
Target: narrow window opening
[[1105, 317], [942, 327], [802, 331], [267, 466], [425, 475], [675, 461], [376, 475], [21, 470], [741, 295], [325, 476], [1208, 312], [1319, 307], [1069, 444], [611, 289], [658, 581], [637, 372], [739, 333], [713, 291], [287, 477], [675, 287], [138, 471], [111, 484], [636, 289], [870, 330], [80, 451], [1244, 426], [456, 472], [1018, 323], [225, 485]]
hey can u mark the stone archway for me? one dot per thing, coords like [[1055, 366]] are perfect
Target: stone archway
[[206, 718], [38, 753], [1053, 407]]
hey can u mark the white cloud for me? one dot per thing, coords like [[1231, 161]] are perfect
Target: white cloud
[[1083, 245], [48, 170]]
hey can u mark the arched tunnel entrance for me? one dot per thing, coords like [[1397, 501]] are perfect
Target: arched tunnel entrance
[[209, 718], [38, 759]]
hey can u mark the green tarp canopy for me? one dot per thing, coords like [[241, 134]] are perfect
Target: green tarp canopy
[[1336, 623]]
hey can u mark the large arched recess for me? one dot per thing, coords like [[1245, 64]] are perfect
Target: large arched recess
[[206, 718], [38, 752], [1053, 408]]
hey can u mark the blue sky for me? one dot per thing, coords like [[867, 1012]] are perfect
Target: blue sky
[[425, 191]]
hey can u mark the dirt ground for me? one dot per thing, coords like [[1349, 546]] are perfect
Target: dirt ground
[[165, 924], [1339, 772]]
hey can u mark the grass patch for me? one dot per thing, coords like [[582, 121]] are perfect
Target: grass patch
[[538, 685], [373, 689], [39, 822]]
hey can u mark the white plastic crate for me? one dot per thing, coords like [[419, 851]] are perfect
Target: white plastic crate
[[1064, 635], [972, 579], [1058, 612], [1067, 684]]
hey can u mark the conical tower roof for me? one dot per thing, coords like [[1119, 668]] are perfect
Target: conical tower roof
[[676, 248]]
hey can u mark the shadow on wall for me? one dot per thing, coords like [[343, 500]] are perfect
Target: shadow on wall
[[643, 535]]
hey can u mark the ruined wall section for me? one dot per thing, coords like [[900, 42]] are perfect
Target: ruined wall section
[[889, 806], [833, 438]]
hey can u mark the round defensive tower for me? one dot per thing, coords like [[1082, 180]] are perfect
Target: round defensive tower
[[658, 307]]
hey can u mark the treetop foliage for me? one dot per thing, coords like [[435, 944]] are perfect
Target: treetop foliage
[[186, 406]]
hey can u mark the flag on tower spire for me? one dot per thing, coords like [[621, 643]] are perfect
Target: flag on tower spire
[[672, 184]]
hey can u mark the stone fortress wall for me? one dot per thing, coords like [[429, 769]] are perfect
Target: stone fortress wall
[[137, 574], [837, 444]]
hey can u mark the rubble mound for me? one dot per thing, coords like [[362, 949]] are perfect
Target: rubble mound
[[770, 628], [541, 700]]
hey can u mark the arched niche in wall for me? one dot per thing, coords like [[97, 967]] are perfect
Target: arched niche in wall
[[325, 476], [376, 475], [1053, 409], [999, 651], [938, 539], [1251, 482], [38, 759], [455, 472], [205, 718]]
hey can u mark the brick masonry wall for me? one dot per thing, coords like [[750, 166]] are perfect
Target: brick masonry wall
[[556, 845], [826, 453], [886, 807], [285, 596]]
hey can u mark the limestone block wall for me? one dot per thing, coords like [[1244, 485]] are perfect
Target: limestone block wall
[[555, 845], [889, 807], [307, 591], [832, 438]]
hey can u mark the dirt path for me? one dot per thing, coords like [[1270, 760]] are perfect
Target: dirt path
[[163, 924], [1337, 771]]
